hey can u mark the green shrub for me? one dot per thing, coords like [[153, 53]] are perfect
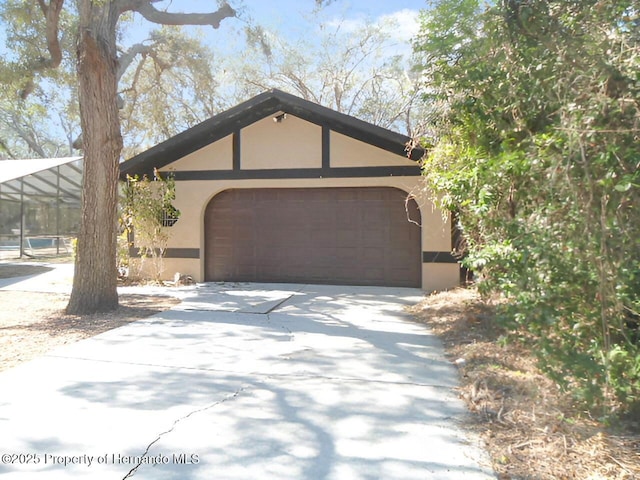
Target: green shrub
[[536, 149]]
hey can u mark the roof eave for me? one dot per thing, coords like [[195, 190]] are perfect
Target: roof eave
[[255, 109]]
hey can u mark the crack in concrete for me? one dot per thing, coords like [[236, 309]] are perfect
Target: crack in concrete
[[234, 395], [301, 375], [283, 327]]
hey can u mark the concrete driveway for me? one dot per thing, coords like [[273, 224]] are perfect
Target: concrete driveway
[[245, 381]]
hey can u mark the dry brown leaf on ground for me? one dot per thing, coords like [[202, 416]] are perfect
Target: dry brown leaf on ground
[[530, 427], [32, 324]]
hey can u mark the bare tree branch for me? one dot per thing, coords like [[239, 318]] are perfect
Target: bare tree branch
[[26, 135], [126, 58], [152, 14], [5, 148], [52, 16]]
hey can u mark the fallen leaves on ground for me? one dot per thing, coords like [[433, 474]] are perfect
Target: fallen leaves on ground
[[530, 427], [32, 324]]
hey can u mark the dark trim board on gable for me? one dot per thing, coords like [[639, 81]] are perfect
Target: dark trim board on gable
[[257, 108], [326, 148], [235, 151], [298, 173]]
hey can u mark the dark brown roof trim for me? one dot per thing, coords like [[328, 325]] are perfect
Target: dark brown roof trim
[[257, 108]]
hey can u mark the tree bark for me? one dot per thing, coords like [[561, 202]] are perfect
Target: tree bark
[[95, 278]]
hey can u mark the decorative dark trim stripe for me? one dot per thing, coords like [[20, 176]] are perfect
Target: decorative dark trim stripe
[[253, 110], [171, 252], [326, 148], [438, 257], [295, 173], [427, 257], [236, 150], [182, 253]]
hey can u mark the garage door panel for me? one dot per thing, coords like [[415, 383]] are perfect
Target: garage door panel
[[324, 257], [318, 235], [399, 278], [269, 262], [349, 215], [325, 238], [347, 236], [242, 232], [342, 275], [372, 255], [346, 195], [374, 274], [398, 237], [399, 257], [223, 250], [291, 220], [269, 240], [240, 215], [375, 239]]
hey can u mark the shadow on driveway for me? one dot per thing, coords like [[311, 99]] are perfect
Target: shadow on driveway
[[330, 383]]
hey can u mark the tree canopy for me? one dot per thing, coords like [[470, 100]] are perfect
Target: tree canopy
[[536, 149], [170, 78]]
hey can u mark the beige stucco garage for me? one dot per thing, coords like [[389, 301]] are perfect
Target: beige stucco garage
[[279, 189]]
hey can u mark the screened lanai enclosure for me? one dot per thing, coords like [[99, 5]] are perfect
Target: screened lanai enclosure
[[39, 206]]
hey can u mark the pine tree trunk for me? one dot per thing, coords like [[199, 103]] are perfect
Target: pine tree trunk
[[95, 279]]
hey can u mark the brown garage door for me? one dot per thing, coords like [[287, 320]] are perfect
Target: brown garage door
[[355, 236]]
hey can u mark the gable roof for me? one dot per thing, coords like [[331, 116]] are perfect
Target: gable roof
[[257, 108]]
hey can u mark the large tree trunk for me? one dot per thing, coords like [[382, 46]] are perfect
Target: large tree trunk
[[95, 279]]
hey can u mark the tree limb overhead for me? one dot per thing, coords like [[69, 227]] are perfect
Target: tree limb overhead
[[52, 14], [152, 14], [126, 58]]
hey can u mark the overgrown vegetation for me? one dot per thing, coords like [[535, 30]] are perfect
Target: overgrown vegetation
[[531, 429], [537, 152], [146, 213]]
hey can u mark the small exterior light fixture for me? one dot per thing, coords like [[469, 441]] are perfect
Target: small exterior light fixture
[[280, 118]]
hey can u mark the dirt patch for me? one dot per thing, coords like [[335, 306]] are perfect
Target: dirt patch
[[531, 429], [32, 324]]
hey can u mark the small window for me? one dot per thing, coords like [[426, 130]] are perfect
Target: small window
[[170, 216]]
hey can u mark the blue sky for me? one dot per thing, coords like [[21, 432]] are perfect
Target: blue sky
[[295, 17], [298, 18], [355, 7], [292, 9]]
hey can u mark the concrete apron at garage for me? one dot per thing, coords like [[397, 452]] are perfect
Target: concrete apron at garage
[[245, 381]]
